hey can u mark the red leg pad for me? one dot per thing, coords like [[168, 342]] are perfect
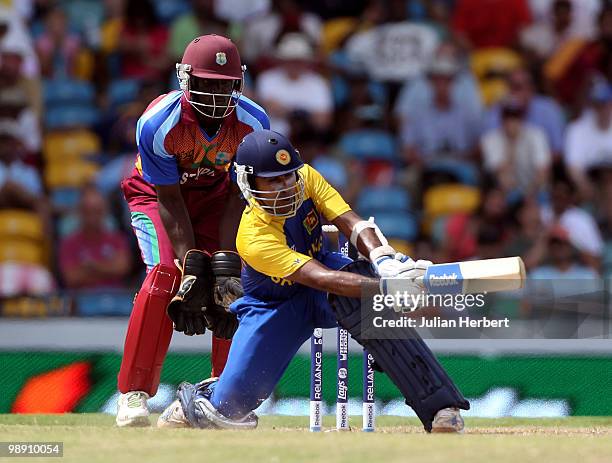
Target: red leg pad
[[149, 331], [220, 351]]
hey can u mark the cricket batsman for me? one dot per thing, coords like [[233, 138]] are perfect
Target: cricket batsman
[[180, 196], [287, 275]]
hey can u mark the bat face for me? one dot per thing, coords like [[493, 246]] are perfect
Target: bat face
[[476, 276]]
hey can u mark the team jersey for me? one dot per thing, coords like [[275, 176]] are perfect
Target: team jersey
[[172, 148], [273, 248]]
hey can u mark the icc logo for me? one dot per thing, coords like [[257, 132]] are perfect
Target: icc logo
[[318, 332], [342, 373]]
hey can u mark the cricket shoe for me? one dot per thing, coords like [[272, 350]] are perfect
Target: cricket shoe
[[173, 417], [132, 409], [448, 420]]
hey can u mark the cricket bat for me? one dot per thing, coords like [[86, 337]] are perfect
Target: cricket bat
[[475, 276]]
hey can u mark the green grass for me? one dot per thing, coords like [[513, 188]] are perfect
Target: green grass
[[93, 438]]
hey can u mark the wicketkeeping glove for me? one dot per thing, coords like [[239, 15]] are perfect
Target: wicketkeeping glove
[[226, 267], [188, 308]]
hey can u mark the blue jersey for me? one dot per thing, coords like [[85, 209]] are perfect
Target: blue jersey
[[173, 148]]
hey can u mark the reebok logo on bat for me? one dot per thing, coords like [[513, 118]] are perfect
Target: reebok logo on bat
[[444, 279]]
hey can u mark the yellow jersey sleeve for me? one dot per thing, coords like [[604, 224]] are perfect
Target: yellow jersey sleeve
[[264, 247], [326, 199]]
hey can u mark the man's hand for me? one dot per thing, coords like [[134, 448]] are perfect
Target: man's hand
[[415, 271], [188, 308], [392, 265], [408, 280]]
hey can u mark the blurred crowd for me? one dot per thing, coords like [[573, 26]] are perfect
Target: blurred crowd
[[468, 128]]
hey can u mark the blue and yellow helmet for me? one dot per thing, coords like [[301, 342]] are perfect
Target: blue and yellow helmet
[[266, 153]]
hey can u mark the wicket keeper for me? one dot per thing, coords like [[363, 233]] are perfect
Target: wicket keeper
[[287, 275]]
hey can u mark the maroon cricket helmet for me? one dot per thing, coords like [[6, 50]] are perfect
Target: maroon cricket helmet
[[213, 57]]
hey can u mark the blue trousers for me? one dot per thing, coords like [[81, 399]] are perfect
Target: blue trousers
[[268, 336]]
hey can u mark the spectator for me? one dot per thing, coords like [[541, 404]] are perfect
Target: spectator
[[564, 275], [17, 39], [541, 111], [143, 43], [529, 239], [601, 177], [20, 85], [263, 32], [549, 34], [239, 11], [589, 139], [20, 184], [201, 20], [112, 25], [393, 52], [363, 105], [490, 23], [517, 153], [580, 225], [58, 47], [15, 106], [584, 14], [94, 257], [443, 127], [416, 94], [293, 86], [464, 234], [572, 69]]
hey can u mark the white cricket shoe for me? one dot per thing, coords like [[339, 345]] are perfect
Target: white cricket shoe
[[132, 409], [173, 417], [448, 420]]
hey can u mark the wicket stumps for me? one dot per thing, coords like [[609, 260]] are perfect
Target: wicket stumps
[[342, 419], [342, 390], [316, 380], [337, 242]]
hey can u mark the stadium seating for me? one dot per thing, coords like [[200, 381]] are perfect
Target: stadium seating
[[455, 170], [369, 144], [167, 10], [105, 302], [65, 198], [24, 252], [68, 92], [450, 199], [335, 31], [490, 65], [375, 200], [22, 238], [398, 225], [71, 116], [122, 91], [20, 225], [84, 15], [75, 174], [402, 246], [442, 200], [70, 145]]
